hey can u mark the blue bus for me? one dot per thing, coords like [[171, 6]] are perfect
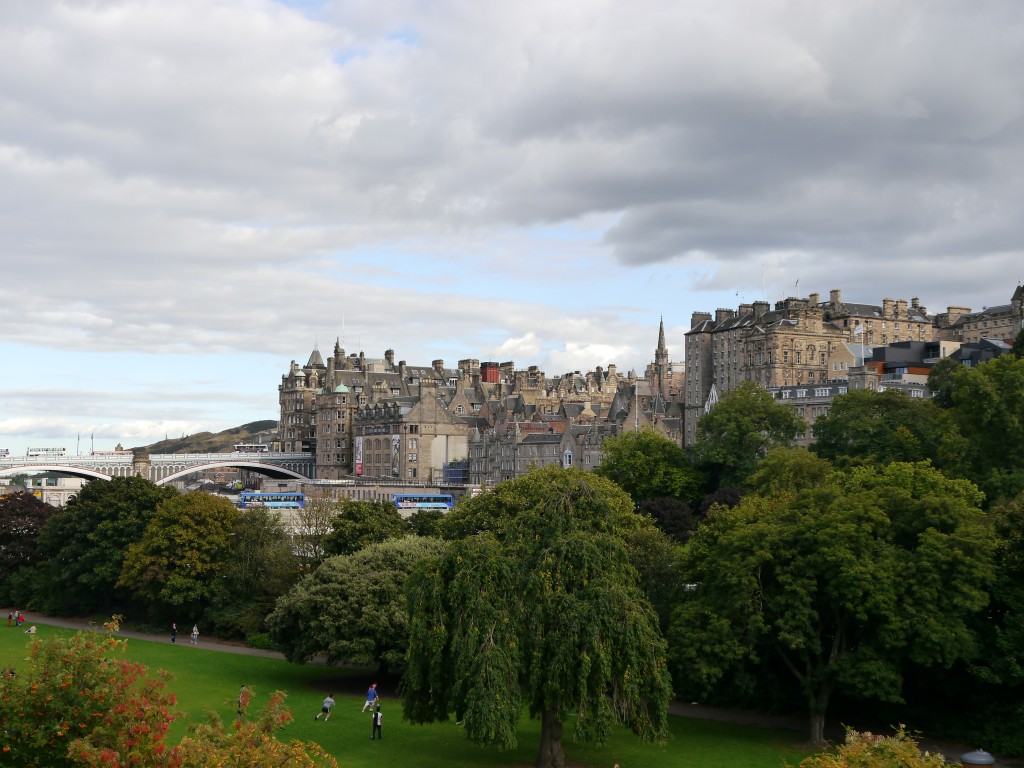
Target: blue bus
[[272, 500], [416, 501]]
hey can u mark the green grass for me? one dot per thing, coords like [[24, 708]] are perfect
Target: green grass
[[209, 680]]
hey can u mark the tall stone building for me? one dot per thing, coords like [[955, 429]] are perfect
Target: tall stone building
[[801, 341]]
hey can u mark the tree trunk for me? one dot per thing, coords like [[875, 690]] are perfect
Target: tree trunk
[[551, 753], [817, 728], [818, 706]]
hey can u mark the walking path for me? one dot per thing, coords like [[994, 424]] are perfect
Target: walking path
[[833, 731]]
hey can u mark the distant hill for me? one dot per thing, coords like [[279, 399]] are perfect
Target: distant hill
[[209, 442]]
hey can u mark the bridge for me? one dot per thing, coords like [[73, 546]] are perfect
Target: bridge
[[163, 468]]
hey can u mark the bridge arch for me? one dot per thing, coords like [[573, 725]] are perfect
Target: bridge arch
[[270, 470], [87, 474]]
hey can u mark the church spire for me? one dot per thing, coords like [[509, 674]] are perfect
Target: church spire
[[661, 353]]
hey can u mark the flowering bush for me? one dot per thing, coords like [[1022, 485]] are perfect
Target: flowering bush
[[78, 703], [868, 750]]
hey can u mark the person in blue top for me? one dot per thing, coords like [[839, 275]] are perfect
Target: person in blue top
[[371, 697]]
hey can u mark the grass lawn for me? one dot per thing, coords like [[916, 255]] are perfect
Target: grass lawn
[[209, 680]]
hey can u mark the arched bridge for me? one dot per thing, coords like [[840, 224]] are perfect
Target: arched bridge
[[164, 468]]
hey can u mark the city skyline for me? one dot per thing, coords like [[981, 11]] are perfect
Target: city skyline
[[196, 194]]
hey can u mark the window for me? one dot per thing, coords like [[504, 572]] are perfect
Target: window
[[412, 457], [799, 358], [785, 356], [414, 429], [460, 409], [412, 444]]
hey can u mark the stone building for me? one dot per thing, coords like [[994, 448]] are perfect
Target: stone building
[[368, 418], [801, 342]]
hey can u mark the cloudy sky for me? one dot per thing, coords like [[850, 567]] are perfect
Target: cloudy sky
[[194, 193]]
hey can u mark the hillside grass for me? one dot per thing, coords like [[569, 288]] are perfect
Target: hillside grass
[[209, 680]]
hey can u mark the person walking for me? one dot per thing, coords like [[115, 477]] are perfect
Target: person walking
[[377, 718], [174, 632], [371, 698], [195, 634], [10, 617], [325, 709]]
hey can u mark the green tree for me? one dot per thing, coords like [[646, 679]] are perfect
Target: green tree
[[1018, 345], [353, 607], [648, 466], [865, 425], [85, 542], [940, 381], [261, 567], [745, 424], [988, 408], [361, 523], [540, 607], [182, 554], [840, 581]]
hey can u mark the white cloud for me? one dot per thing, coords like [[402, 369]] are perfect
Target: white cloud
[[533, 180]]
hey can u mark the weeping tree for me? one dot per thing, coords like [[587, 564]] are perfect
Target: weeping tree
[[537, 604]]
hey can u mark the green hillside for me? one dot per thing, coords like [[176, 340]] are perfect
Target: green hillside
[[209, 442]]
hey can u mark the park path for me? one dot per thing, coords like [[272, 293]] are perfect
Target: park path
[[833, 731]]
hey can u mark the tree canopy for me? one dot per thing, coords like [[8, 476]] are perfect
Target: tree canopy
[[182, 553], [988, 408], [538, 605], [841, 580], [742, 427], [357, 524], [22, 517], [648, 466], [353, 607], [865, 425], [85, 542]]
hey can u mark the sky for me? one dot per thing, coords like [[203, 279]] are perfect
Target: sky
[[195, 193]]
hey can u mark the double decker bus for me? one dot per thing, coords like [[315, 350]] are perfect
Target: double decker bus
[[273, 500], [414, 501], [251, 448]]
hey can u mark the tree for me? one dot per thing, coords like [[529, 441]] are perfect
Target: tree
[[841, 581], [865, 425], [353, 607], [541, 606], [182, 554], [673, 517], [22, 517], [84, 544], [313, 525], [648, 466], [1018, 345], [261, 566], [940, 381], [988, 408], [741, 429], [360, 523]]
